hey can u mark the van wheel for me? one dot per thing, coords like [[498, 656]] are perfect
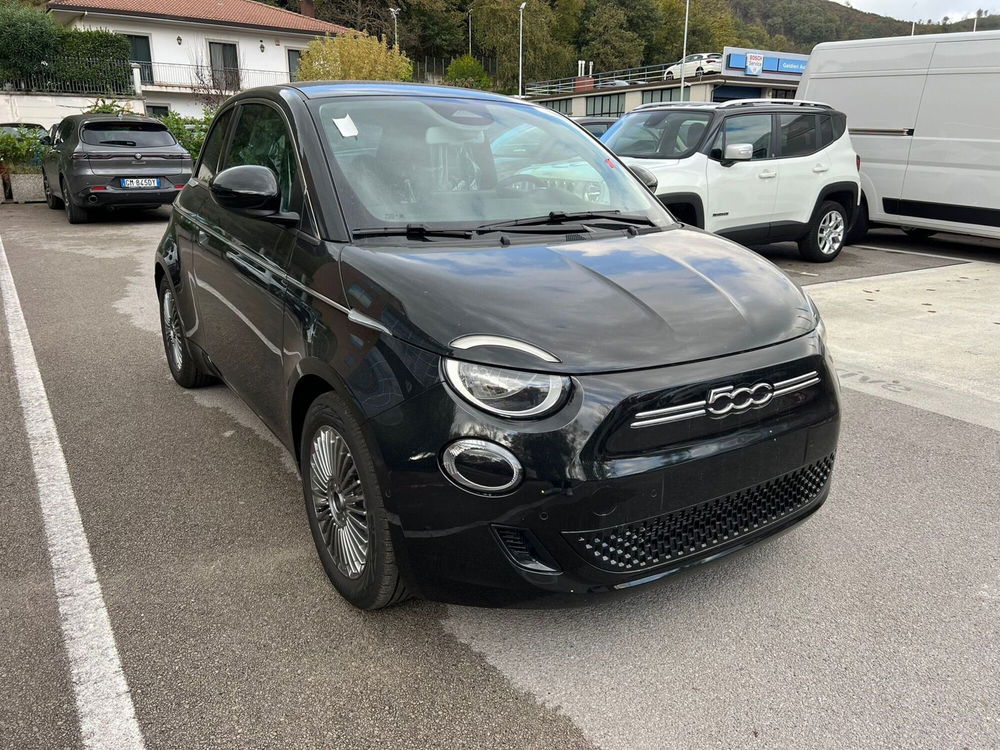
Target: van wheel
[[74, 214], [345, 508], [916, 233], [859, 229], [825, 238], [51, 200]]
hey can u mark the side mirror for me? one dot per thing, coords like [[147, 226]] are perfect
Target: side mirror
[[45, 140], [646, 177], [247, 188], [251, 190], [738, 152]]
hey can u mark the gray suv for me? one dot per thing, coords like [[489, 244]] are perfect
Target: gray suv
[[99, 161]]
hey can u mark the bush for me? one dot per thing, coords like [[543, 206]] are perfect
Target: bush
[[93, 61], [27, 37], [190, 132], [353, 56], [468, 72]]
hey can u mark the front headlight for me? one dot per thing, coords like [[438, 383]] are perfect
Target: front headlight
[[508, 393]]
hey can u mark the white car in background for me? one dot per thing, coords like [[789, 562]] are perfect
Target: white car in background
[[754, 170], [694, 66]]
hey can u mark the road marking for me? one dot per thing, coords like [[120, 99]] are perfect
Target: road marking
[[103, 702], [911, 252]]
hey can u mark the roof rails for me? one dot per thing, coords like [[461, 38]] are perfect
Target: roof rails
[[653, 105], [767, 102]]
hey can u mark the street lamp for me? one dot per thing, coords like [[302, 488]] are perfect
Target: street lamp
[[520, 48], [470, 32], [395, 28], [684, 51]]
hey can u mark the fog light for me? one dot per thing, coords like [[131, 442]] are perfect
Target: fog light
[[481, 466]]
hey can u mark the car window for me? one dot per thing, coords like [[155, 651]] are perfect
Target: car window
[[261, 138], [212, 150], [752, 129], [658, 134], [462, 162], [125, 133], [797, 134], [825, 130]]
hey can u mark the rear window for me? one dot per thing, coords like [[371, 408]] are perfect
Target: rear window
[[129, 134]]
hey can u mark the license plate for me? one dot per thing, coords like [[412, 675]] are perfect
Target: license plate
[[140, 182]]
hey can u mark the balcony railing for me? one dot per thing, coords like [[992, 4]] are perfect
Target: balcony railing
[[118, 78], [206, 78]]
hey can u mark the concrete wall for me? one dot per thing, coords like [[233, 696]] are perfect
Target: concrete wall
[[48, 109]]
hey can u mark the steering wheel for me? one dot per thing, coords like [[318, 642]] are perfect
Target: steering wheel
[[521, 183]]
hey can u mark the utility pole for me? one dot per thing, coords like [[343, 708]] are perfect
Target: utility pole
[[395, 28], [684, 53], [470, 32], [520, 49]]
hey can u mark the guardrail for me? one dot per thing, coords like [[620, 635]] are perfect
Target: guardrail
[[199, 78], [609, 79], [73, 76]]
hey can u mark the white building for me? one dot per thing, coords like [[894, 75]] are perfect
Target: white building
[[187, 49]]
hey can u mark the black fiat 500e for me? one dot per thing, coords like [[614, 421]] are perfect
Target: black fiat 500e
[[503, 367]]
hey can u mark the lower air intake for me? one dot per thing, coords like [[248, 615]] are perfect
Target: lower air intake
[[526, 551], [695, 530]]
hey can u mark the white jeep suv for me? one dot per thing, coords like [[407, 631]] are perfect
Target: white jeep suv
[[754, 170]]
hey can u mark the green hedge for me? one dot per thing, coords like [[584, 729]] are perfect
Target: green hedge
[[27, 36], [93, 60]]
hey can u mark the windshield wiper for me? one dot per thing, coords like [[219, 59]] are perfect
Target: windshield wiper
[[412, 230], [560, 217]]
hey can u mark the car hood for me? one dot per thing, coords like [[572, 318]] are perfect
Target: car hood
[[601, 305]]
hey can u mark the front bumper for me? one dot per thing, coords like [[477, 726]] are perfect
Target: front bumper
[[599, 509]]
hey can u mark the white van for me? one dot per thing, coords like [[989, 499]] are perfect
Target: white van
[[924, 115]]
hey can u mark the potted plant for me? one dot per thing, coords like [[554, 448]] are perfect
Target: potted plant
[[21, 153]]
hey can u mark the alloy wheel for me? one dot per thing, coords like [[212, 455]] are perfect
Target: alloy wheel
[[172, 331], [339, 501], [831, 232]]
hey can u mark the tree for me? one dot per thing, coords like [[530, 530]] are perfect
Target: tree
[[354, 56], [27, 37], [468, 72], [610, 45]]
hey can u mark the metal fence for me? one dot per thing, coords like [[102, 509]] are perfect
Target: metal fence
[[433, 69], [207, 78], [606, 79], [73, 76]]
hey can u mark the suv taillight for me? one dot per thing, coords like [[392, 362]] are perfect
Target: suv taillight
[[857, 161]]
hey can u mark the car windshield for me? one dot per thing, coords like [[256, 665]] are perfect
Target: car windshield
[[131, 134], [658, 134], [405, 161]]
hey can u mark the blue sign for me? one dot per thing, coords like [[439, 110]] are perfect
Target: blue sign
[[770, 65]]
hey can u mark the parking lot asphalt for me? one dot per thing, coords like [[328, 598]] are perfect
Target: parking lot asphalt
[[874, 624]]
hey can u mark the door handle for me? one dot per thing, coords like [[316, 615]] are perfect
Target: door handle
[[767, 174], [821, 168], [202, 238]]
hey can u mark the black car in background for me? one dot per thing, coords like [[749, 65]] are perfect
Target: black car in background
[[500, 379], [101, 161], [596, 126]]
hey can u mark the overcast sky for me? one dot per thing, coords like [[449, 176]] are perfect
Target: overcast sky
[[924, 9]]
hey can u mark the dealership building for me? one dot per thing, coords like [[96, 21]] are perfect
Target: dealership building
[[746, 74]]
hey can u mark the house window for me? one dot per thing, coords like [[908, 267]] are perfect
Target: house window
[[294, 55], [608, 105], [661, 95], [782, 93], [560, 105], [141, 54], [225, 66], [157, 110]]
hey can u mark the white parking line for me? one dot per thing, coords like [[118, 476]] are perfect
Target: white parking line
[[104, 705]]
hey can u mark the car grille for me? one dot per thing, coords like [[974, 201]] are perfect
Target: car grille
[[699, 528]]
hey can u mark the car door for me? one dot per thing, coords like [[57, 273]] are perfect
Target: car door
[[51, 160], [239, 264], [803, 169], [741, 194]]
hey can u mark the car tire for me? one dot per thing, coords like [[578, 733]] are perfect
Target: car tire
[[345, 508], [860, 225], [827, 232], [53, 202], [668, 76], [183, 366], [916, 233], [699, 72], [74, 214]]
